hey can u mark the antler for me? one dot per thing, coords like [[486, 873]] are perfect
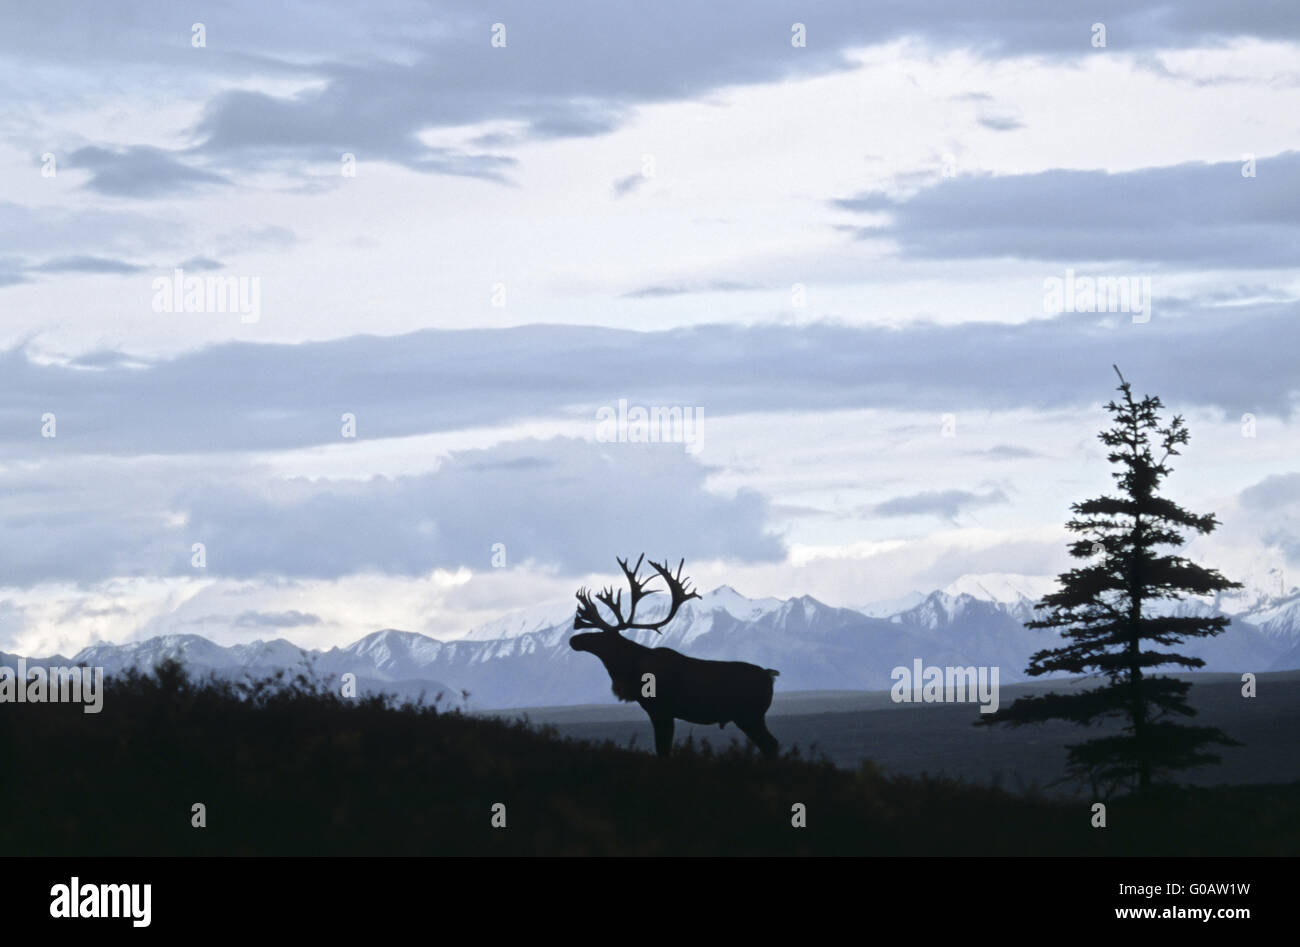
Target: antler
[[589, 616]]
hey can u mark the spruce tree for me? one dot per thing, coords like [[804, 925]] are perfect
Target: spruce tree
[[1112, 615]]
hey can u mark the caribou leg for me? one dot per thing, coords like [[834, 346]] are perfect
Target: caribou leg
[[663, 734], [756, 730]]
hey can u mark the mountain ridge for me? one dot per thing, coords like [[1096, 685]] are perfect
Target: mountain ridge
[[815, 646]]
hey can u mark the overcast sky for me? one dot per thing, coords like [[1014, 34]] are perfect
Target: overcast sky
[[827, 232]]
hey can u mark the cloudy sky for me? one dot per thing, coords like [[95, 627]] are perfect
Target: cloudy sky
[[824, 232]]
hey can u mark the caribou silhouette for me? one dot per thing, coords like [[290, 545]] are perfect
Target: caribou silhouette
[[667, 684]]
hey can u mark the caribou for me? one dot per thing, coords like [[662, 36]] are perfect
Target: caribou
[[668, 685]]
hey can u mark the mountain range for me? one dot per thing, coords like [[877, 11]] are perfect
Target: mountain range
[[523, 659]]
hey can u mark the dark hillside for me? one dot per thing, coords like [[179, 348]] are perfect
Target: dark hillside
[[288, 768]]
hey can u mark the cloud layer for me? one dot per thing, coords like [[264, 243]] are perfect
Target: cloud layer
[[1187, 215], [564, 504], [244, 396]]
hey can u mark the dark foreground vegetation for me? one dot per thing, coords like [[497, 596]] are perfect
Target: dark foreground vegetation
[[288, 768]]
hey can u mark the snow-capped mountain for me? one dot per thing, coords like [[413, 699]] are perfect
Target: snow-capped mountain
[[1279, 617], [523, 622], [1002, 587], [523, 659], [697, 612], [884, 608], [389, 654], [194, 651], [393, 661], [1017, 591]]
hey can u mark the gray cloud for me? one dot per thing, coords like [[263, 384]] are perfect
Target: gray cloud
[[89, 241], [561, 503], [82, 609], [627, 185], [1272, 492], [575, 73], [945, 503], [246, 35], [683, 289], [289, 619], [1006, 452], [202, 263], [139, 171], [1232, 295], [1000, 123], [1274, 503], [374, 116], [62, 232], [12, 272], [106, 358], [1285, 540], [247, 396], [1188, 214], [12, 622], [86, 264]]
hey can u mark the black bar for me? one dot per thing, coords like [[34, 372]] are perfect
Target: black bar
[[925, 896]]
